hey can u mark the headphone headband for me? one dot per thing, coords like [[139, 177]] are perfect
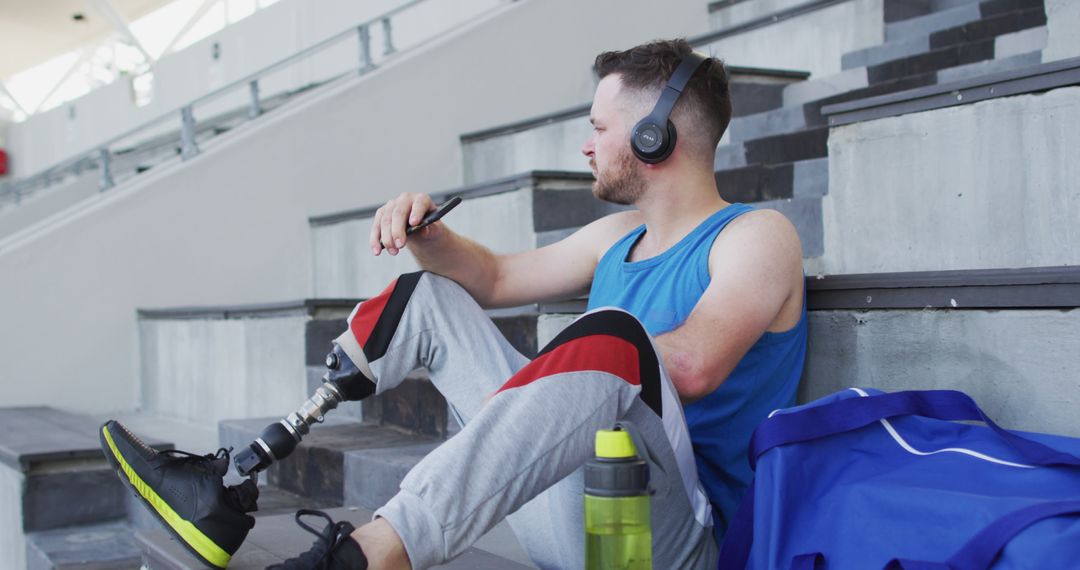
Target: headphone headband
[[675, 86], [653, 138]]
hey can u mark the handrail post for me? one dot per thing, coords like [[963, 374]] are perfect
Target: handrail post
[[366, 63], [254, 108], [188, 147], [388, 42], [105, 160]]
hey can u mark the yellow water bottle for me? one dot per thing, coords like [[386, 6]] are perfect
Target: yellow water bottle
[[618, 532]]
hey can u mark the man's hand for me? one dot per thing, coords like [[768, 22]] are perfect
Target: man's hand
[[393, 218]]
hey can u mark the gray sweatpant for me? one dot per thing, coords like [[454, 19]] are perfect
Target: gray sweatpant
[[520, 456]]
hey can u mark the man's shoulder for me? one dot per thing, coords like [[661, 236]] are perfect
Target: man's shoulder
[[760, 232], [761, 225]]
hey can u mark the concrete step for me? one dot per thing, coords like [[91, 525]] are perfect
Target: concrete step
[[777, 148], [932, 61], [277, 538], [317, 469], [887, 51], [769, 123], [1027, 36], [825, 86], [373, 476], [553, 141], [52, 476], [813, 109], [805, 144], [86, 547], [925, 25], [204, 364], [989, 27], [725, 14], [987, 67], [759, 183]]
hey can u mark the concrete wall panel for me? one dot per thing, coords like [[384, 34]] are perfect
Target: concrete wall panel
[[12, 537], [345, 266], [1020, 366], [988, 185], [556, 146], [230, 226], [204, 371], [1062, 22]]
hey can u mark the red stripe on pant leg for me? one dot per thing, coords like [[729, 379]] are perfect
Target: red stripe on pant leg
[[602, 353], [363, 322]]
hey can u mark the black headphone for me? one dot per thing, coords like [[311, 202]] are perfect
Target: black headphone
[[653, 138]]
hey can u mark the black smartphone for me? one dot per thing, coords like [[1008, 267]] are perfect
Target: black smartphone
[[436, 215]]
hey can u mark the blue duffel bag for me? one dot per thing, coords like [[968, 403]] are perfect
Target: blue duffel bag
[[863, 479]]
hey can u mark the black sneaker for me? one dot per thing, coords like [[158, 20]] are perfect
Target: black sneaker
[[186, 493], [332, 550]]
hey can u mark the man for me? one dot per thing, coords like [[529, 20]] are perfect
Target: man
[[709, 311]]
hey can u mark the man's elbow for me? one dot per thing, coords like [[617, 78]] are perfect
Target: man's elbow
[[692, 380]]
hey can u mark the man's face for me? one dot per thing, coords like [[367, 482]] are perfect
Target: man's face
[[618, 173]]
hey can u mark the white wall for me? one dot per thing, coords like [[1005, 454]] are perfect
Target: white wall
[[988, 185], [264, 38], [230, 226], [39, 205]]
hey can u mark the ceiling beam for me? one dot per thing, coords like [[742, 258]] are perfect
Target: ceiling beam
[[106, 10], [84, 55], [194, 19], [14, 101]]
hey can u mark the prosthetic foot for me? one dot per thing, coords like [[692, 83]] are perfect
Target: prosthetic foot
[[186, 493]]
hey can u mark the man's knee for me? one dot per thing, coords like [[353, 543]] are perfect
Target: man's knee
[[612, 334], [607, 322]]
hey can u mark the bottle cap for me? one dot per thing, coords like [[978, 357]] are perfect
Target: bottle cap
[[616, 471], [614, 444]]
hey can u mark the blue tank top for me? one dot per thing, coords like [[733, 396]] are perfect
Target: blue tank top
[[661, 291]]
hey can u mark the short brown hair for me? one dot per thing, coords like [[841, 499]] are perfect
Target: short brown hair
[[647, 67]]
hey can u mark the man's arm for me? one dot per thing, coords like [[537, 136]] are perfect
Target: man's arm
[[558, 271], [756, 269]]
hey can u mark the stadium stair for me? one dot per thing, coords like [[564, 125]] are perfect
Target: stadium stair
[[525, 187]]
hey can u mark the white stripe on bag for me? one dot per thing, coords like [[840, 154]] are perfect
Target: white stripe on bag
[[907, 447]]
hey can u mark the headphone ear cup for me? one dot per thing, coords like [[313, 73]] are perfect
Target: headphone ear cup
[[648, 139], [651, 143]]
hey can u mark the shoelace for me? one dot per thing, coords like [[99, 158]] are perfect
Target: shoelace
[[328, 538], [176, 455]]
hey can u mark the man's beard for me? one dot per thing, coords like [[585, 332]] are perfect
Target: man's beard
[[621, 184]]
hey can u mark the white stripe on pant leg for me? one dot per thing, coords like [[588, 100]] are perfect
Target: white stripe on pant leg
[[678, 435]]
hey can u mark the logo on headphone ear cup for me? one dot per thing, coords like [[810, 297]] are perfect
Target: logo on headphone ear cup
[[651, 143]]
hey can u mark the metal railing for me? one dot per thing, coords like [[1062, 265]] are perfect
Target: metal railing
[[102, 156]]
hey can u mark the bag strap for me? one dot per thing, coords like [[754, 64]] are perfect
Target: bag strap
[[853, 413], [981, 551]]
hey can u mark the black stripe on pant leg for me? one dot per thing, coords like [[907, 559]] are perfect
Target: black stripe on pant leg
[[390, 317], [621, 325]]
